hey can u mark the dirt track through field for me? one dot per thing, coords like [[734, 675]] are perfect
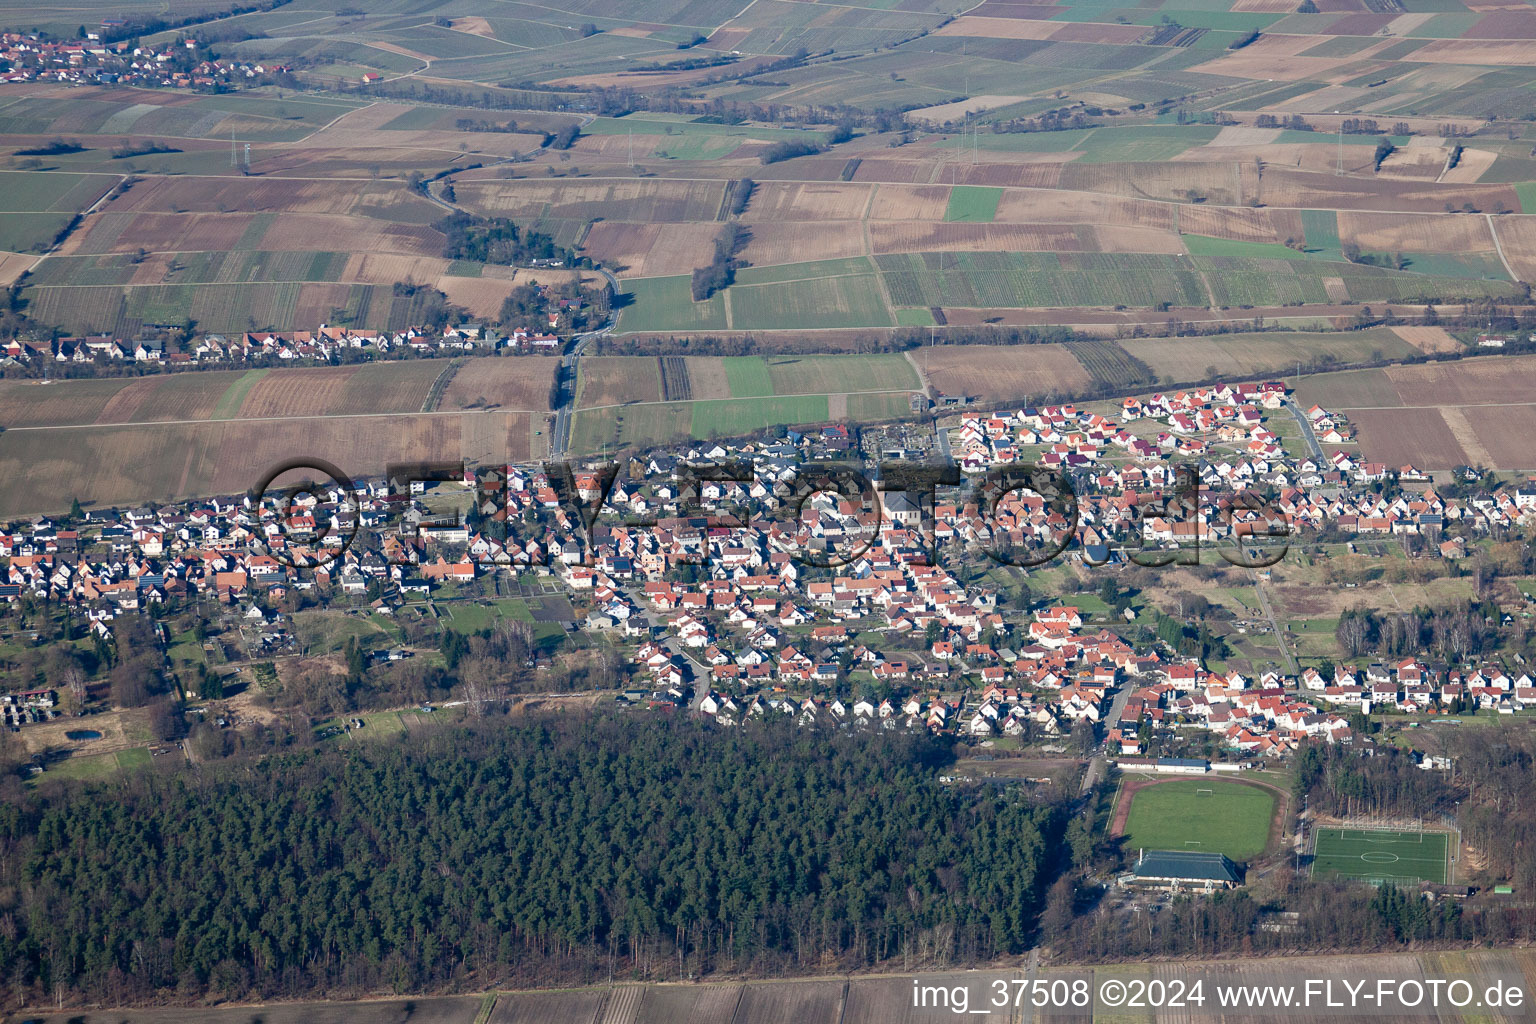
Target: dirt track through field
[[1466, 436]]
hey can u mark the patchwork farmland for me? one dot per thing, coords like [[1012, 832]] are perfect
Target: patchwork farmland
[[130, 465], [620, 399], [132, 440]]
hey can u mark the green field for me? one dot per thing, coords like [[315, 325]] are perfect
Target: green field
[[973, 204], [813, 303], [598, 429], [1049, 279], [1321, 228], [729, 417], [1147, 144], [651, 423], [1022, 142], [830, 375], [1204, 245], [1129, 143], [1378, 855], [682, 126], [747, 376], [1201, 815], [36, 206], [471, 617], [916, 317], [888, 405], [666, 304], [22, 191], [244, 267]]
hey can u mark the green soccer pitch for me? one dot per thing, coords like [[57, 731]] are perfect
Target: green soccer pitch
[[1201, 816], [1380, 855]]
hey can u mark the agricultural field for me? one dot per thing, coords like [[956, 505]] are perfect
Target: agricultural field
[[814, 302], [359, 389], [617, 380], [1205, 815], [1235, 356], [195, 434], [598, 430], [522, 382], [1436, 416], [366, 389], [38, 207], [1062, 220], [973, 204], [128, 465], [1380, 855], [1012, 279], [666, 304], [994, 373], [1110, 364], [1410, 437], [808, 375], [742, 416], [633, 400], [319, 234], [26, 403]]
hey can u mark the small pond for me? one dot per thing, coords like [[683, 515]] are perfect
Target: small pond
[[79, 735]]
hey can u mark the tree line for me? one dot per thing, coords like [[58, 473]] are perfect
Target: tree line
[[718, 274]]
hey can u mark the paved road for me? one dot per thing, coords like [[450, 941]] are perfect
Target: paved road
[[1306, 430], [672, 646], [1099, 764], [560, 433]]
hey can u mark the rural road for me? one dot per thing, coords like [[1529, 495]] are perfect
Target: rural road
[[1306, 430], [1274, 622], [1493, 231], [560, 433]]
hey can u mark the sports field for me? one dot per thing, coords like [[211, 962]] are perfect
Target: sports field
[[1378, 855], [1200, 815]]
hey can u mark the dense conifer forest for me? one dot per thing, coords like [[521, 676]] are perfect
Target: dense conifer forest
[[559, 850]]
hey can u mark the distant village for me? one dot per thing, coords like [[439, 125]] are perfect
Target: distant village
[[727, 617], [324, 344], [92, 60]]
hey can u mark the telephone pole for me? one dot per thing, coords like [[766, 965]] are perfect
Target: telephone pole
[[1341, 146]]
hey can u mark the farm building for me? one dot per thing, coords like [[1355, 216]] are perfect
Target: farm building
[[1180, 870]]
